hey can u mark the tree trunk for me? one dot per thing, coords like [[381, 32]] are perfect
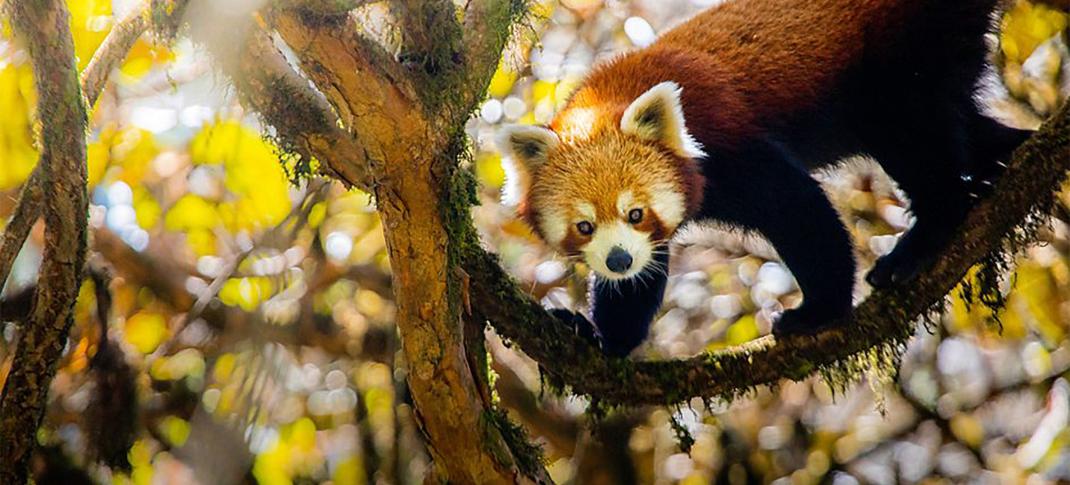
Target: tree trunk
[[44, 27]]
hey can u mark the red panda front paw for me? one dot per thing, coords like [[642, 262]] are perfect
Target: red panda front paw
[[579, 325], [893, 268], [806, 320]]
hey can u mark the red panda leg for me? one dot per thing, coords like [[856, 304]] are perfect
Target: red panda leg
[[763, 188], [622, 310], [943, 174]]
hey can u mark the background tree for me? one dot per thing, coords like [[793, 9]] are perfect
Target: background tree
[[233, 324]]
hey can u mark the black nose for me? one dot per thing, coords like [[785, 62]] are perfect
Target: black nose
[[618, 260]]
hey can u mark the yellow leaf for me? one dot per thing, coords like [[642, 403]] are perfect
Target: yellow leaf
[[145, 331], [91, 21], [349, 471], [96, 162], [1027, 25], [303, 435], [147, 209], [317, 214], [501, 84], [16, 128], [175, 430], [254, 174], [744, 330], [133, 149], [968, 429], [143, 56], [543, 91], [201, 241], [489, 170], [246, 293], [1038, 288], [192, 212]]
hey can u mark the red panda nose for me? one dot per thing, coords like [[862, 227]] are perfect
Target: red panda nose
[[618, 260]]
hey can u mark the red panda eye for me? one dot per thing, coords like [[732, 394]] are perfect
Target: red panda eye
[[635, 216], [585, 228]]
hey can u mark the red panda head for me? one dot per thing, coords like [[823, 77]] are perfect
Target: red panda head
[[613, 194]]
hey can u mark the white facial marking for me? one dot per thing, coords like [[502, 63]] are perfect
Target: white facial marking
[[668, 204], [554, 227], [586, 211], [621, 234], [626, 202]]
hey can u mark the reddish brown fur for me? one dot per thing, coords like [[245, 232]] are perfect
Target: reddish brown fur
[[651, 224], [742, 63], [574, 242]]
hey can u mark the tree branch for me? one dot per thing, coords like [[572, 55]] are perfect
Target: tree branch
[[44, 26], [999, 225], [106, 58], [373, 95], [324, 7], [487, 27], [303, 120], [21, 222], [301, 116], [430, 39], [112, 51]]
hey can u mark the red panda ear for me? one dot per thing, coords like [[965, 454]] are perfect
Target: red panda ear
[[525, 149], [658, 115]]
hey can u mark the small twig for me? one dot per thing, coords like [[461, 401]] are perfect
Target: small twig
[[18, 228], [113, 51]]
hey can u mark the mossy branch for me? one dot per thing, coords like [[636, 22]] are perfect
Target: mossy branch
[[996, 229], [304, 122], [44, 27], [324, 7], [487, 28]]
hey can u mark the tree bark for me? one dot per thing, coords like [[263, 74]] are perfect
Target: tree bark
[[44, 26]]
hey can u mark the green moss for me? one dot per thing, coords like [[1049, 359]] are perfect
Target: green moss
[[684, 438], [529, 457]]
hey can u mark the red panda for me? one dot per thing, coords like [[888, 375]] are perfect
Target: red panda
[[723, 117]]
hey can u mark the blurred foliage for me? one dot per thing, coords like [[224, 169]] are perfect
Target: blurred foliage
[[249, 331]]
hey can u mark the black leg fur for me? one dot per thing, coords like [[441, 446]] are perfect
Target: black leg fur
[[764, 188], [931, 166], [944, 170], [623, 310]]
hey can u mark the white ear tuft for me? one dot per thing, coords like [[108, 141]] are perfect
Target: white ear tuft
[[524, 150], [658, 115]]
